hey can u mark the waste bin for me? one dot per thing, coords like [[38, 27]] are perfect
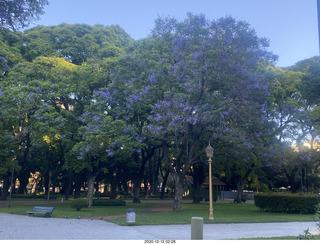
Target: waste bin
[[131, 215]]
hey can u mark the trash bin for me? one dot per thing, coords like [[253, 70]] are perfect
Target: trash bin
[[131, 215]]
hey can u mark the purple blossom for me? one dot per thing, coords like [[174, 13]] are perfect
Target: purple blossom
[[45, 104], [158, 117], [96, 118], [104, 94], [110, 153], [92, 128], [249, 145], [154, 128], [157, 106], [197, 54], [133, 98], [145, 90], [152, 78]]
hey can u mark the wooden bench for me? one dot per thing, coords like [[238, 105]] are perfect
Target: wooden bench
[[47, 211]]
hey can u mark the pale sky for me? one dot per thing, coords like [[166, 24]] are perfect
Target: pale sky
[[290, 25]]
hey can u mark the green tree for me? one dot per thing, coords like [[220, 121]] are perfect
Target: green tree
[[19, 13], [54, 90], [76, 43]]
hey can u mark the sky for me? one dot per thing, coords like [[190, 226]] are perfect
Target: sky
[[290, 25]]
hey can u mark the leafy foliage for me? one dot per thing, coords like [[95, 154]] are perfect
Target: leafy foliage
[[108, 202], [79, 204], [285, 203], [19, 13]]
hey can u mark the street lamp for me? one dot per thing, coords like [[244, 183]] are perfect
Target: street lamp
[[209, 152]]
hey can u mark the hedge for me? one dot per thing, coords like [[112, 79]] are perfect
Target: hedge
[[108, 202], [287, 203], [79, 204]]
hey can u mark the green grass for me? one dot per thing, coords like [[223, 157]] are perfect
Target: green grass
[[222, 213], [65, 210]]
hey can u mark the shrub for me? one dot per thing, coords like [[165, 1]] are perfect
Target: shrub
[[108, 202], [287, 203], [78, 204]]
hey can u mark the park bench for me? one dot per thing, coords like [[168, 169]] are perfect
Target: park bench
[[47, 211]]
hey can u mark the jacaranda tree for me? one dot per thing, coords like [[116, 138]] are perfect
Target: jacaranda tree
[[214, 88], [201, 81]]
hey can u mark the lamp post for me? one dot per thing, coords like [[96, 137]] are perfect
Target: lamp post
[[11, 186], [209, 152]]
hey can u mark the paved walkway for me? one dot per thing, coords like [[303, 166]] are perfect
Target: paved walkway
[[16, 227]]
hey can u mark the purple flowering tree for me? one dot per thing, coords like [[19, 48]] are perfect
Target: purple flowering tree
[[129, 98], [213, 87], [100, 141]]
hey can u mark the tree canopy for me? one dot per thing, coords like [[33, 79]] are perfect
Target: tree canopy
[[88, 105], [19, 13]]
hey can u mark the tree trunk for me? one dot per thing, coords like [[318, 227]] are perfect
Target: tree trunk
[[113, 193], [68, 187], [198, 179], [291, 176], [5, 188], [23, 184], [78, 181], [164, 184], [241, 184], [91, 178], [178, 193], [196, 193], [136, 190], [240, 187]]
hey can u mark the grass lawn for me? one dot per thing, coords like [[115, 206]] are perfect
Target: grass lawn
[[65, 210], [222, 213]]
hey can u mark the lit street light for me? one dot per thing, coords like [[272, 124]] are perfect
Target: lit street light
[[209, 152]]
